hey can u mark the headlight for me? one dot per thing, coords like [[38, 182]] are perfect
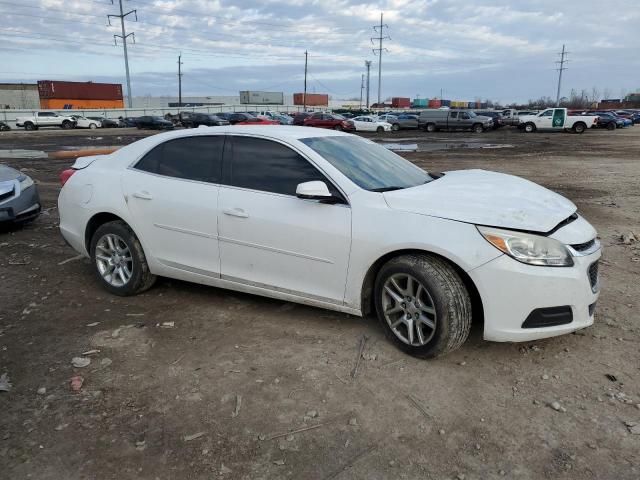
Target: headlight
[[528, 248], [25, 182]]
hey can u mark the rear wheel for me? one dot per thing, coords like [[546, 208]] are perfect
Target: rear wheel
[[422, 305], [395, 127], [93, 126], [338, 127], [430, 127], [611, 126], [119, 261], [29, 126], [529, 127], [579, 127]]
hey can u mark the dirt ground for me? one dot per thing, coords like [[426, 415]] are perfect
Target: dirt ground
[[243, 387]]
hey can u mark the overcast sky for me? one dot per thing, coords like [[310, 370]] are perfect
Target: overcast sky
[[496, 49]]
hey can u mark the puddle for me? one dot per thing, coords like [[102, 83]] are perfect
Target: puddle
[[18, 153], [436, 147], [402, 147]]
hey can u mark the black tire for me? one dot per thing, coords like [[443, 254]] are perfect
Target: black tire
[[93, 126], [66, 125], [430, 127], [529, 127], [338, 127], [380, 130], [478, 128], [579, 128], [448, 294], [29, 126], [395, 127], [141, 279], [611, 126]]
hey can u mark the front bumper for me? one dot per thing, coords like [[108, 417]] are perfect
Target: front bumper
[[511, 291], [22, 207]]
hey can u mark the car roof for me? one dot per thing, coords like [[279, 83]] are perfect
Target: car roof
[[281, 132]]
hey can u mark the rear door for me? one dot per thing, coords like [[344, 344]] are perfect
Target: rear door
[[172, 194], [272, 239]]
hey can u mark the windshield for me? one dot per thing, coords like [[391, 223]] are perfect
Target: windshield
[[335, 116], [158, 119], [367, 164]]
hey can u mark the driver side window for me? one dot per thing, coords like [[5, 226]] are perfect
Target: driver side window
[[547, 113]]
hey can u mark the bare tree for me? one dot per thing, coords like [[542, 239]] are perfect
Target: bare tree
[[606, 93]]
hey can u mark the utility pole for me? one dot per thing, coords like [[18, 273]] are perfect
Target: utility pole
[[304, 101], [378, 29], [361, 89], [124, 44], [440, 95], [180, 63], [367, 64], [562, 61]]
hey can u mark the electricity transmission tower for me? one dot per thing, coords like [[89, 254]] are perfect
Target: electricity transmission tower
[[379, 29], [561, 62], [367, 64], [124, 44]]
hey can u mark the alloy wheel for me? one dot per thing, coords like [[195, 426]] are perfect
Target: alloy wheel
[[114, 260], [409, 309]]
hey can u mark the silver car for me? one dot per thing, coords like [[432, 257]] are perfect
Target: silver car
[[19, 199]]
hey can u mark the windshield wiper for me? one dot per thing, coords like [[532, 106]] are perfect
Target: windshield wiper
[[385, 189]]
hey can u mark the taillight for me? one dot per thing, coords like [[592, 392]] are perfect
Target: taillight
[[65, 175]]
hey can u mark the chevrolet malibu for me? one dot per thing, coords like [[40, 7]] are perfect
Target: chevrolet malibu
[[332, 220]]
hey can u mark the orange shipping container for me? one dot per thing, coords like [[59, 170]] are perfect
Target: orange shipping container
[[75, 104], [81, 90], [313, 99]]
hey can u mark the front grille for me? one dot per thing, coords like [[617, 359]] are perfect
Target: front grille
[[593, 277], [582, 247], [6, 195]]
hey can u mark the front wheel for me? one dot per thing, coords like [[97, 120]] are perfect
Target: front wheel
[[338, 127], [380, 130], [119, 261], [66, 125], [611, 126], [395, 127], [422, 305], [93, 126], [529, 128], [430, 127], [477, 128]]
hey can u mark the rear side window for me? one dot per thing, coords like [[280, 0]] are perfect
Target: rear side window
[[190, 158], [271, 167]]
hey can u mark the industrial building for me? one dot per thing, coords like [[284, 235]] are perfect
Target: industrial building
[[55, 95], [19, 96]]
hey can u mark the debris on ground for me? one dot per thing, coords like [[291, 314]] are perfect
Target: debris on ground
[[93, 324], [557, 407], [279, 462], [94, 351], [188, 438], [166, 325], [105, 362], [41, 391], [236, 411], [77, 257], [76, 383], [363, 342], [611, 377], [224, 470], [628, 238], [353, 421], [80, 362], [5, 384]]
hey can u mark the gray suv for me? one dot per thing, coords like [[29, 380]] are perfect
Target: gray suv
[[434, 120]]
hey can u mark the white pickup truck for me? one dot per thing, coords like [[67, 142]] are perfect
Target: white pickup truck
[[557, 119], [46, 119]]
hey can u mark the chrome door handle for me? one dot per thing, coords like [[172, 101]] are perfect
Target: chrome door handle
[[143, 195], [236, 212]]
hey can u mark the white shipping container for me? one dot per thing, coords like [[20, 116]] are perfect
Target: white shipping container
[[250, 97]]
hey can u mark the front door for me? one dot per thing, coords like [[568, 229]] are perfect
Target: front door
[[272, 239], [545, 119], [172, 194]]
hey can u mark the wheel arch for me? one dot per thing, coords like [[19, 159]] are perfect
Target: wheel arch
[[367, 304], [96, 221]]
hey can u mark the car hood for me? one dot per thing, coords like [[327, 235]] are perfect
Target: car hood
[[8, 173], [485, 198]]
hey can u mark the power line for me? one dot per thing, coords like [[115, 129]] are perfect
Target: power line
[[124, 44], [379, 29], [560, 70]]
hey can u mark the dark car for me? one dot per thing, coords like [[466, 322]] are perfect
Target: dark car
[[329, 120], [154, 123], [299, 118], [498, 121], [19, 199], [606, 120], [245, 118], [194, 120], [127, 121], [4, 127], [106, 122]]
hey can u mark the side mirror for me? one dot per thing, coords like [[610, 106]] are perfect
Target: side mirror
[[315, 190]]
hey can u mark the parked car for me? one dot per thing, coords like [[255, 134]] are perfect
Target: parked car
[[329, 120], [498, 121], [300, 117], [4, 127], [282, 119], [401, 121], [153, 123], [322, 218], [45, 119], [19, 199], [249, 119], [557, 119], [83, 122], [194, 120], [627, 122], [606, 120], [434, 120], [127, 122], [631, 115], [105, 122], [369, 123]]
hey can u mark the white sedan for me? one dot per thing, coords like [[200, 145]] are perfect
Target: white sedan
[[368, 123], [334, 220], [84, 122]]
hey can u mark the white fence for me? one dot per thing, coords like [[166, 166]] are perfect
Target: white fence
[[10, 116]]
